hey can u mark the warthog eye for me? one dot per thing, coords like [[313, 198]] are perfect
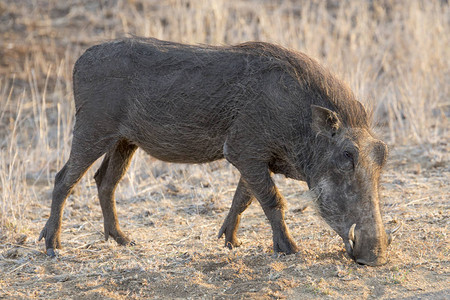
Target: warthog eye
[[348, 155], [346, 161]]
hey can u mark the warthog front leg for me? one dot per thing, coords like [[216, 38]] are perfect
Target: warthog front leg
[[241, 200], [273, 204], [259, 182]]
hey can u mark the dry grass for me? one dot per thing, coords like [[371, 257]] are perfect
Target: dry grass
[[394, 54]]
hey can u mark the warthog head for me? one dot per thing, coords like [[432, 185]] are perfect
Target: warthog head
[[345, 177]]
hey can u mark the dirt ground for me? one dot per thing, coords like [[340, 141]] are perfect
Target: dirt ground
[[178, 255], [174, 212]]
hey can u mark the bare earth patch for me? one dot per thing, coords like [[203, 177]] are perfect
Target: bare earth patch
[[178, 254]]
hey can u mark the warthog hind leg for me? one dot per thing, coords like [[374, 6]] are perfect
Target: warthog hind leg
[[111, 171], [80, 160]]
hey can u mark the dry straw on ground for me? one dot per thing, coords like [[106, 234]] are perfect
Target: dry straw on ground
[[394, 54]]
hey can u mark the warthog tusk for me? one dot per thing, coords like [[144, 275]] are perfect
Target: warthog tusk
[[351, 243], [395, 229], [351, 233], [390, 233]]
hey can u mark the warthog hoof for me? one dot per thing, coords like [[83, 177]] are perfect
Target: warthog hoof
[[231, 241], [51, 253], [118, 236], [284, 245], [51, 236]]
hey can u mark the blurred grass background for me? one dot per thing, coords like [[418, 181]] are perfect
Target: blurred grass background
[[394, 54]]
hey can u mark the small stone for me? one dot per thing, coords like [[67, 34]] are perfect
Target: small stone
[[11, 253], [21, 239]]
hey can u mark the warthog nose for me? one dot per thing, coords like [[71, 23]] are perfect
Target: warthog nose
[[377, 262]]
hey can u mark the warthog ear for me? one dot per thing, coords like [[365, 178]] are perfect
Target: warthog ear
[[379, 153], [324, 121]]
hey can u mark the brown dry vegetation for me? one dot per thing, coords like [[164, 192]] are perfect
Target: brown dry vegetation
[[394, 54]]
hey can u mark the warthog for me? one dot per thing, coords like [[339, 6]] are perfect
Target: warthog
[[262, 107]]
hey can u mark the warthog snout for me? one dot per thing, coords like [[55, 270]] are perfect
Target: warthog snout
[[366, 249], [357, 246]]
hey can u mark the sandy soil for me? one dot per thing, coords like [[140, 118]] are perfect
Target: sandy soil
[[178, 254]]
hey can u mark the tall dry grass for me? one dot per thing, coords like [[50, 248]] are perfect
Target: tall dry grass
[[394, 54]]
